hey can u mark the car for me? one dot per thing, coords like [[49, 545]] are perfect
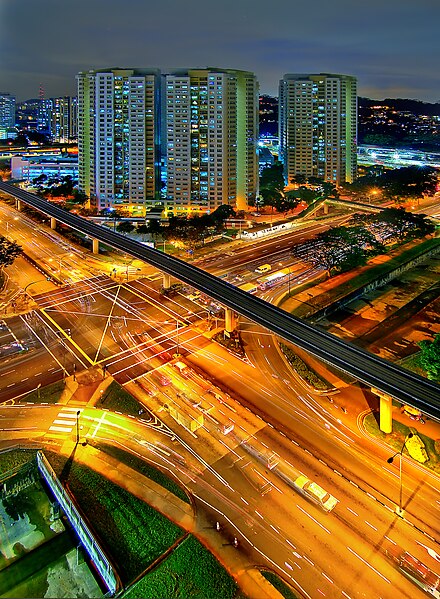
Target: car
[[164, 356], [194, 296]]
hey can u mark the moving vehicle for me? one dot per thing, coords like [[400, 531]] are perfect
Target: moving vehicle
[[263, 268], [316, 493], [415, 570], [249, 287]]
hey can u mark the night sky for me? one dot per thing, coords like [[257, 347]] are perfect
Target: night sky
[[391, 46]]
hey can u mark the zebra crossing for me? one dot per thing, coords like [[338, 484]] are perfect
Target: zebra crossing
[[65, 420]]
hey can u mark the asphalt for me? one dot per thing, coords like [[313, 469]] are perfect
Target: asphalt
[[249, 579]]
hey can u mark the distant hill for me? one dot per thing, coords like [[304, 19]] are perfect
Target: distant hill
[[415, 106]]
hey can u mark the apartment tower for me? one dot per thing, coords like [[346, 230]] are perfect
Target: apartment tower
[[118, 138], [7, 114], [318, 126], [211, 139], [63, 119]]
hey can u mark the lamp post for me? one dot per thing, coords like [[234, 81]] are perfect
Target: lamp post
[[77, 426], [34, 282], [399, 510], [177, 339]]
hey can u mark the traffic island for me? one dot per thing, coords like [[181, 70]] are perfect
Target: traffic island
[[419, 446], [231, 341]]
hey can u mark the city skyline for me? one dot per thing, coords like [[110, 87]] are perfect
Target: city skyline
[[388, 48]]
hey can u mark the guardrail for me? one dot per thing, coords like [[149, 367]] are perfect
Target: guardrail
[[87, 539]]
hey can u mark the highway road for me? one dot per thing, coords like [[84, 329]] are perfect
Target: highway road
[[320, 554], [278, 525], [405, 386]]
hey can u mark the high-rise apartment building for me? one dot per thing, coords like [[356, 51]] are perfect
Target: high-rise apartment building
[[7, 114], [211, 138], [63, 118], [318, 126], [118, 138]]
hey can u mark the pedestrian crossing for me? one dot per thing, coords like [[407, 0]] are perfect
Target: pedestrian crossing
[[65, 420]]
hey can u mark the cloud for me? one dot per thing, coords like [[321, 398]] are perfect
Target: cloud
[[50, 42]]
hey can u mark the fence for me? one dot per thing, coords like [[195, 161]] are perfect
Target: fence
[[95, 553]]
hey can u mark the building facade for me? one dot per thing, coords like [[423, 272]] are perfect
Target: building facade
[[318, 126], [211, 135], [118, 138], [63, 119], [7, 115], [29, 168]]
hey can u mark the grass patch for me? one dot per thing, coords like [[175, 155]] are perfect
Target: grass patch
[[412, 363], [11, 459], [117, 399], [396, 439], [49, 394], [189, 571], [132, 533], [144, 468], [280, 586], [303, 370]]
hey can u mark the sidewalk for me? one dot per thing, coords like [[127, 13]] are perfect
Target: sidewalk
[[249, 579]]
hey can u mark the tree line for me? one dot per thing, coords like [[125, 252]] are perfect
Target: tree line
[[342, 248]]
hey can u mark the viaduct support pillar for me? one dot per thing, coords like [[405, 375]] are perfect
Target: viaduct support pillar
[[18, 205], [385, 411], [53, 223], [325, 208], [230, 320], [95, 243], [166, 281]]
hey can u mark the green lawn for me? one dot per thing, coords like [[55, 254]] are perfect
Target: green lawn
[[144, 468], [131, 532], [280, 586], [15, 458], [117, 399], [190, 571]]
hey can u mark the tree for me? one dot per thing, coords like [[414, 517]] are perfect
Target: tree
[[307, 195], [398, 224], [9, 250], [299, 179], [400, 183], [429, 357], [142, 229], [222, 213], [339, 249], [272, 184], [79, 196], [125, 227], [154, 228]]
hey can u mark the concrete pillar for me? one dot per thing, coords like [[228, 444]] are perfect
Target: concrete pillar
[[325, 208], [166, 280], [18, 205], [386, 414], [95, 243], [385, 411], [230, 320], [53, 222]]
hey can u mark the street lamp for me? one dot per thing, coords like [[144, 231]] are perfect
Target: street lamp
[[177, 339], [399, 510], [77, 426], [34, 282]]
